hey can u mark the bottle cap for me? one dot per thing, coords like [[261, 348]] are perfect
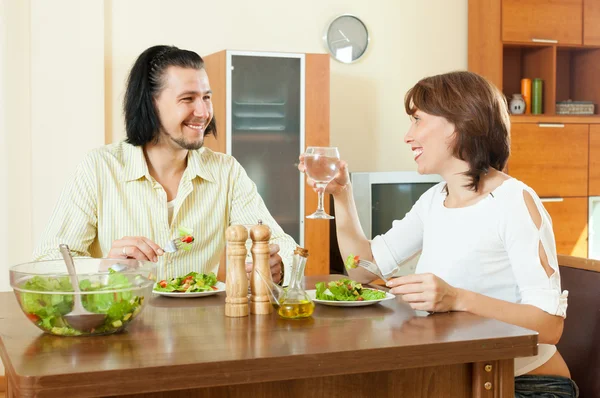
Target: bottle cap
[[302, 252]]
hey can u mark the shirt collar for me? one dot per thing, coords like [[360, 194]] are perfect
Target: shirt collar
[[135, 162], [197, 165], [136, 166]]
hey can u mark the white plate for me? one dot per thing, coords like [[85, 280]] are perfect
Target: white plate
[[313, 293], [220, 288]]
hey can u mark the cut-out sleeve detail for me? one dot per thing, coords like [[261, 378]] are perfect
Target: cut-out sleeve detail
[[522, 239]]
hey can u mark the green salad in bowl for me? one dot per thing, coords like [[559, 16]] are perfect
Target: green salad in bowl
[[113, 287]]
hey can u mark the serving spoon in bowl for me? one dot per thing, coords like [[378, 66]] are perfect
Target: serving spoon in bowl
[[79, 318]]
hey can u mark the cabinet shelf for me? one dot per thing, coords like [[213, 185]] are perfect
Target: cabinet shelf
[[253, 135], [571, 119], [536, 44], [568, 73], [530, 61], [577, 74]]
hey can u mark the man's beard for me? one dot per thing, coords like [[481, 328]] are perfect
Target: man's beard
[[190, 146]]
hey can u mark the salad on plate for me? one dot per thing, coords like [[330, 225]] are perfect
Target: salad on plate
[[347, 290], [194, 282]]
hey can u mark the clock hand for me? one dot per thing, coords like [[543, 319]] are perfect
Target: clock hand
[[335, 41], [341, 33]]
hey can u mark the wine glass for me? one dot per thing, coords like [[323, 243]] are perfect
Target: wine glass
[[322, 164]]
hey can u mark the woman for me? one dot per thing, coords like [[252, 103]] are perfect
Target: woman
[[486, 240]]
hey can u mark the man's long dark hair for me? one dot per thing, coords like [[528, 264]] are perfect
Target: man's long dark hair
[[145, 81]]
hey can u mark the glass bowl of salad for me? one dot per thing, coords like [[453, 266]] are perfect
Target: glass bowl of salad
[[117, 288]]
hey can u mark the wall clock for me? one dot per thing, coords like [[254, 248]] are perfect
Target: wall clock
[[347, 38]]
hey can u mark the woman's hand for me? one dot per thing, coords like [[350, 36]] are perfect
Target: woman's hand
[[337, 185], [137, 247], [426, 292]]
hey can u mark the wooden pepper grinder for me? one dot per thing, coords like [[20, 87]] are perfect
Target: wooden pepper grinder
[[236, 302], [259, 299]]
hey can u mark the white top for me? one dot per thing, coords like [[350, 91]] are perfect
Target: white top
[[491, 248]]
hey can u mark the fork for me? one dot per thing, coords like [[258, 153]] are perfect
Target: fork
[[171, 246], [371, 267]]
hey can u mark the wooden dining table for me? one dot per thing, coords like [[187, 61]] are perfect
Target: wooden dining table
[[187, 347]]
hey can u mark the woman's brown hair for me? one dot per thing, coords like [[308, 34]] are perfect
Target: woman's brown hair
[[479, 113]]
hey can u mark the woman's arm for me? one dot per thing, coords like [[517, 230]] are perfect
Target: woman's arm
[[401, 242], [428, 292], [350, 236], [549, 327]]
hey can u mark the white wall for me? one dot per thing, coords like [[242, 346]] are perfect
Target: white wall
[[67, 95], [15, 134], [409, 40], [15, 165], [3, 141]]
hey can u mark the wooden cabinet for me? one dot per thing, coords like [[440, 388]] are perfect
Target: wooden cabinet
[[551, 158], [557, 155], [554, 40], [269, 107], [591, 22], [594, 173], [558, 21], [529, 61], [570, 224]]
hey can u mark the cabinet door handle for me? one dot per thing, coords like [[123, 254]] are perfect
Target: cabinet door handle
[[551, 125], [536, 40], [551, 199]]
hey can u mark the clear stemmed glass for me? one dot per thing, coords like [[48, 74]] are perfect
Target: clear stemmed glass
[[322, 164]]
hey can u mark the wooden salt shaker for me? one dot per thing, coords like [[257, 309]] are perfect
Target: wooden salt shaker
[[236, 302], [259, 298]]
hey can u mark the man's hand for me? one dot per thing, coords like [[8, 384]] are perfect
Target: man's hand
[[425, 292], [275, 263], [136, 247]]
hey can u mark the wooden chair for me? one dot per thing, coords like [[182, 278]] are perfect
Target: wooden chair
[[580, 342]]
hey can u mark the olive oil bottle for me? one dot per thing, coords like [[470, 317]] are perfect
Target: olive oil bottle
[[293, 310], [292, 302], [295, 303]]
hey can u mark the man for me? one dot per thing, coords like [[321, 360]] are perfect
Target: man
[[129, 198]]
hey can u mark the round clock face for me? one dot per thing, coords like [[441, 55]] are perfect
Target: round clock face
[[347, 38]]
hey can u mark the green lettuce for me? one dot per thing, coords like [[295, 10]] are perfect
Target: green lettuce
[[46, 310], [190, 283], [346, 290], [184, 232], [372, 294], [351, 261]]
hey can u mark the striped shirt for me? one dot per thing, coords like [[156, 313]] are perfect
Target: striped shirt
[[112, 195]]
